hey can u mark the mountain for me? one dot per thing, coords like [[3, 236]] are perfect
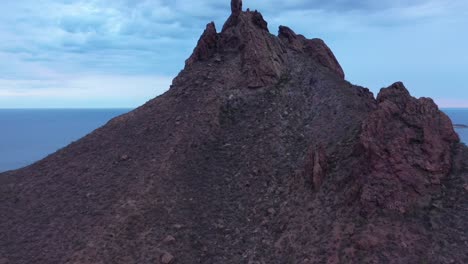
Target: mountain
[[260, 152]]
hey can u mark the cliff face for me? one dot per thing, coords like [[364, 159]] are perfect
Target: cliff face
[[408, 146], [260, 152]]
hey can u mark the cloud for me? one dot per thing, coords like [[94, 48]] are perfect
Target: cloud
[[82, 91], [85, 30], [420, 41]]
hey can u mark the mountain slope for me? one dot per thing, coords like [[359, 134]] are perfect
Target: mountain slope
[[260, 152]]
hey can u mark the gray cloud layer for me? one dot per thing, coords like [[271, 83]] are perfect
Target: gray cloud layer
[[58, 39]]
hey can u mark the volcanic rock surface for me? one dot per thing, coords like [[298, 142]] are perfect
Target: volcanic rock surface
[[260, 152]]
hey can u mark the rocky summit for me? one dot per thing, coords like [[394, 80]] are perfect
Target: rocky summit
[[260, 152]]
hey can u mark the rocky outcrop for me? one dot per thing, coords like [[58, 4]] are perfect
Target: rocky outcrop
[[289, 37], [314, 48], [408, 146], [260, 152], [262, 56], [236, 7], [206, 47], [246, 35], [315, 168]]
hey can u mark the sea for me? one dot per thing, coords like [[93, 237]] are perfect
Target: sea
[[459, 116], [28, 135]]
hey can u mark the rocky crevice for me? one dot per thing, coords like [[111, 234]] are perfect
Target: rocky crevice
[[315, 167]]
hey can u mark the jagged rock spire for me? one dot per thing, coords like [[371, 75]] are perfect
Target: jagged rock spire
[[206, 46], [236, 7]]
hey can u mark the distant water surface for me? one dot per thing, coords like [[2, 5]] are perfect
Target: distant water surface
[[459, 116], [28, 135]]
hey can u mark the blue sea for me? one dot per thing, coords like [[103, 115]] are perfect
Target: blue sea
[[29, 135], [459, 116]]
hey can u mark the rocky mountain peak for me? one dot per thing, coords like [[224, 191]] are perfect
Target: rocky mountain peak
[[263, 56]]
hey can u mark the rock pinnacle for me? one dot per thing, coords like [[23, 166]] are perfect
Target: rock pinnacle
[[236, 7]]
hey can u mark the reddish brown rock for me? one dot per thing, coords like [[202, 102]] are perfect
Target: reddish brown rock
[[408, 147], [318, 50], [167, 258], [293, 40], [260, 53], [169, 239], [315, 167], [236, 7], [206, 47], [315, 48]]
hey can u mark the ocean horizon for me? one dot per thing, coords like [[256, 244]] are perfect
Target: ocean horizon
[[29, 135]]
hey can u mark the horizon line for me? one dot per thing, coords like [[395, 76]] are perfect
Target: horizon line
[[126, 107]]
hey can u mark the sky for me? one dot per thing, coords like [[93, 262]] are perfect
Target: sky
[[122, 53]]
